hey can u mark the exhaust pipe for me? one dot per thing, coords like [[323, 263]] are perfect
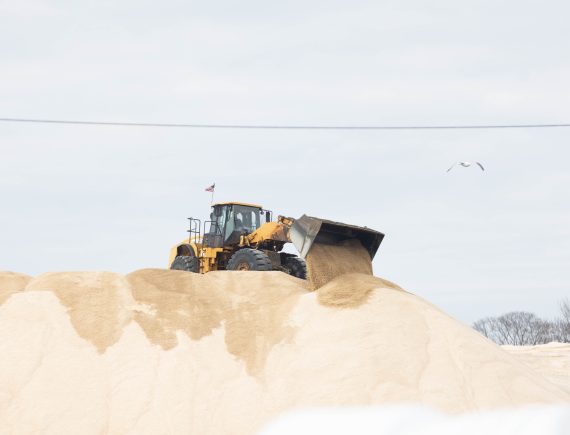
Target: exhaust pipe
[[307, 230]]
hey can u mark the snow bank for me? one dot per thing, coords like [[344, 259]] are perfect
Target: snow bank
[[543, 420]]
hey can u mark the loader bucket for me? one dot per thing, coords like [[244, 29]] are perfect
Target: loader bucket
[[308, 230]]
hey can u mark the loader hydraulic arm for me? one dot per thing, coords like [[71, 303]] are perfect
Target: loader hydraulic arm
[[287, 221]]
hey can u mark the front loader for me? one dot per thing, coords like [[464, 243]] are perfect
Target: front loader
[[242, 236]]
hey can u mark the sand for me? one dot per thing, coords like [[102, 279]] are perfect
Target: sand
[[95, 302], [160, 351], [326, 262], [11, 282], [251, 308], [550, 360]]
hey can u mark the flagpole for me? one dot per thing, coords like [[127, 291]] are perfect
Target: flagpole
[[211, 189]]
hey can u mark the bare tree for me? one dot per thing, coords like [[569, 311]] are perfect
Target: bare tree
[[484, 326], [516, 328], [565, 310], [563, 323], [521, 328]]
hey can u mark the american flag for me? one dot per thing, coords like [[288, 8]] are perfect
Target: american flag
[[211, 188]]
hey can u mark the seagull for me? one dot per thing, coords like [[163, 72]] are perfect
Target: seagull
[[466, 165]]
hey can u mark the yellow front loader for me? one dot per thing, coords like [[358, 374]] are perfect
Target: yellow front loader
[[242, 236]]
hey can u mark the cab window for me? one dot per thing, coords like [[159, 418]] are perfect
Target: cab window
[[239, 220], [218, 218], [246, 218]]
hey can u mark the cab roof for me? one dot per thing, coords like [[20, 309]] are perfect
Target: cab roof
[[237, 203]]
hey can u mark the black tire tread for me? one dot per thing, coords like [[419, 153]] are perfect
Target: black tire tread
[[259, 259], [187, 263], [297, 267]]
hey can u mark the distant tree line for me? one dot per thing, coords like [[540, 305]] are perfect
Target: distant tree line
[[520, 328]]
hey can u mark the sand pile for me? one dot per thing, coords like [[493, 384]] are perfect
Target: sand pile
[[550, 360], [11, 282], [161, 351]]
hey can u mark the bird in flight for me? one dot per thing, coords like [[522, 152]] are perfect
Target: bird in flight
[[466, 165]]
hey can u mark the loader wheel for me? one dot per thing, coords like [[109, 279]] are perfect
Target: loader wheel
[[249, 259], [296, 267], [185, 262]]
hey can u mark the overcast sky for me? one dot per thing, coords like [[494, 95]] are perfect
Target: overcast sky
[[117, 198]]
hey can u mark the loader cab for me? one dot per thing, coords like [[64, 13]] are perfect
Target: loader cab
[[228, 221]]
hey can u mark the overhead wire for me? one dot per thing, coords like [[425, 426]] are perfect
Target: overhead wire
[[284, 126]]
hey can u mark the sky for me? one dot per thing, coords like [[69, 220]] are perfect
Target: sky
[[116, 198]]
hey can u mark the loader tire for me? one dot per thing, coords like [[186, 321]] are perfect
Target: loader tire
[[249, 259], [296, 267], [185, 262]]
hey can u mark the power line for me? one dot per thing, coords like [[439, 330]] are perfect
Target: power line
[[284, 127]]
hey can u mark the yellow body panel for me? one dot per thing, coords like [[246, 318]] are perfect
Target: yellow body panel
[[174, 250], [268, 231], [206, 255], [208, 259]]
